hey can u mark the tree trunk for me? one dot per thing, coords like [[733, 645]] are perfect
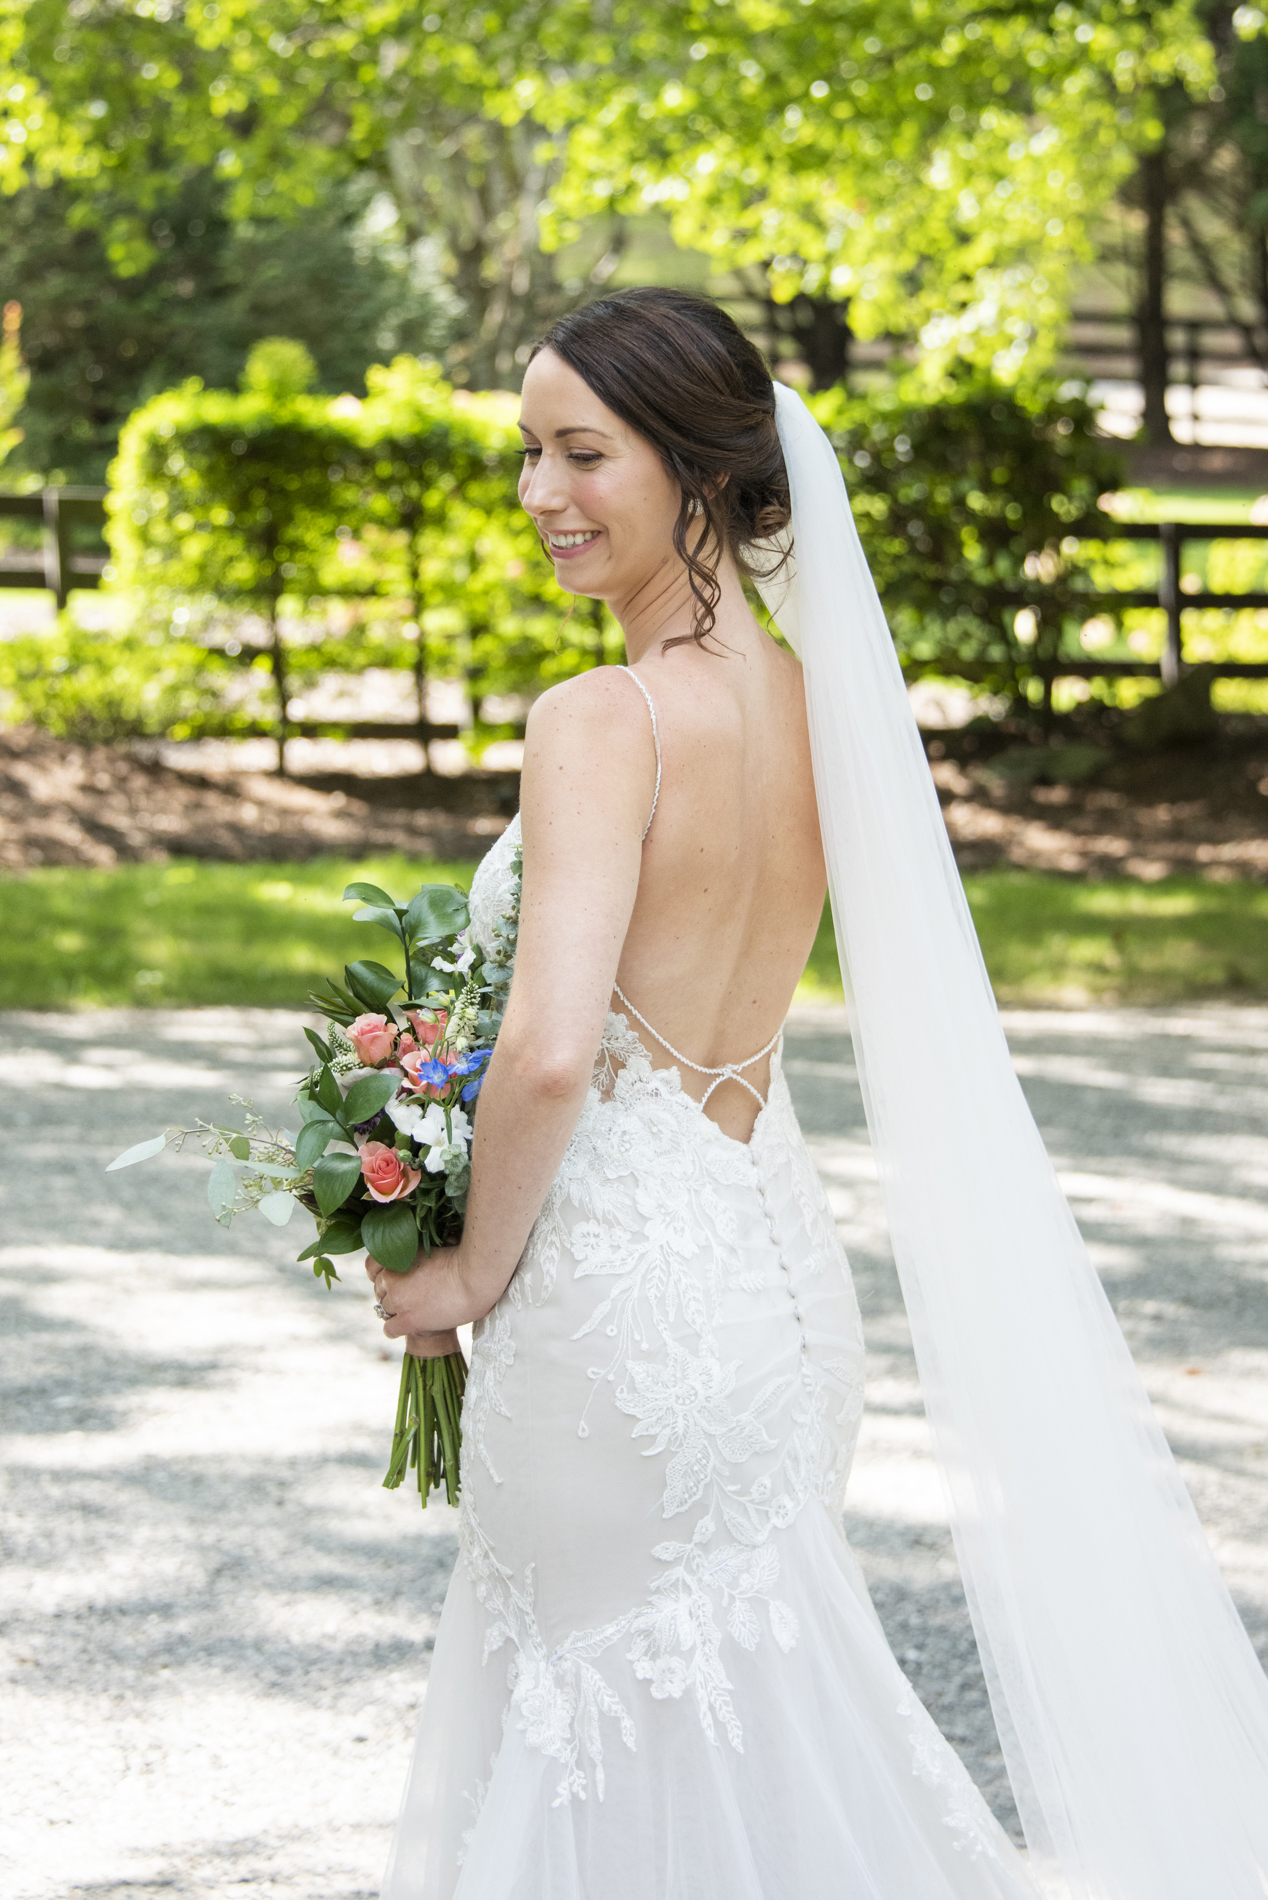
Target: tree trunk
[[277, 661], [478, 183], [1151, 325], [820, 328]]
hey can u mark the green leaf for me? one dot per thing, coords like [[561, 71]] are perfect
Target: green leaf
[[437, 911], [341, 1236], [326, 1089], [368, 1097], [309, 1110], [324, 1270], [313, 1139], [369, 894], [391, 1234], [142, 1152], [385, 919], [322, 1048], [222, 1185], [334, 1178], [278, 1207], [240, 1148], [372, 984]]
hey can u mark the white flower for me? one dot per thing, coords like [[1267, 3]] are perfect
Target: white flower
[[408, 1116], [430, 1131], [464, 961]]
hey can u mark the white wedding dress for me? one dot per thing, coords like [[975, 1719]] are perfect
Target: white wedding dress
[[658, 1674]]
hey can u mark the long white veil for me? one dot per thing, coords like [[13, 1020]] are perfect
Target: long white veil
[[1132, 1710]]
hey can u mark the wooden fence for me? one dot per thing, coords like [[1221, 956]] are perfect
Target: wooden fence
[[60, 567]]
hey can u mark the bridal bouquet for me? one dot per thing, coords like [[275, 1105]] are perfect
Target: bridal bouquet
[[382, 1156]]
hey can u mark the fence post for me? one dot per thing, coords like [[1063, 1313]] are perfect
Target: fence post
[[55, 562], [1169, 598]]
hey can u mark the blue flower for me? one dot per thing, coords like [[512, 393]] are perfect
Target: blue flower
[[434, 1072], [469, 1064], [473, 1089]]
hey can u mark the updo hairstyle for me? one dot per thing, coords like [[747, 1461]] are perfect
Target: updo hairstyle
[[681, 373]]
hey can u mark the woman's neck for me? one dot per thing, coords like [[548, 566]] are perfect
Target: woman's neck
[[664, 609]]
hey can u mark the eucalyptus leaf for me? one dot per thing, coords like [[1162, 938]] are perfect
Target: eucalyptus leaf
[[313, 1140], [334, 1178], [278, 1207], [372, 984], [240, 1148], [391, 1234], [438, 910], [222, 1186], [141, 1152], [369, 1097], [369, 894]]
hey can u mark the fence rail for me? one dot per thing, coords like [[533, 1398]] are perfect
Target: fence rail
[[60, 568], [57, 567]]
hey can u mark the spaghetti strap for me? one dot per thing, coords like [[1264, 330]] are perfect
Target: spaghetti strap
[[655, 741]]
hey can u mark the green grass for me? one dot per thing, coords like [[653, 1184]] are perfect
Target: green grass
[[1199, 505], [1052, 940], [187, 933]]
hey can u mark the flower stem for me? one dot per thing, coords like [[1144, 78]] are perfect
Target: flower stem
[[428, 1433]]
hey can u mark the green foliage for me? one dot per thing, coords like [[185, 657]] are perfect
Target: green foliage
[[100, 345], [965, 507], [14, 377], [98, 688], [279, 367], [936, 164], [232, 494], [408, 497]]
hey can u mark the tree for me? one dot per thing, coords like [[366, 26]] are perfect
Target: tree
[[282, 99], [99, 345], [934, 165]]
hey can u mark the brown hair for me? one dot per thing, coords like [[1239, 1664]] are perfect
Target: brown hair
[[678, 370]]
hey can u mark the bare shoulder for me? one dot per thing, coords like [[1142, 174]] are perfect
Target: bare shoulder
[[590, 735], [603, 702]]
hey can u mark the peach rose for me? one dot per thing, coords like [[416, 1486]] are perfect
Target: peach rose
[[428, 1033], [387, 1176], [373, 1038]]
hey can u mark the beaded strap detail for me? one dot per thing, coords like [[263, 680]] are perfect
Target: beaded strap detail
[[729, 1071]]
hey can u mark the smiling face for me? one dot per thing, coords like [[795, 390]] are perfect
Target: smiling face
[[598, 493]]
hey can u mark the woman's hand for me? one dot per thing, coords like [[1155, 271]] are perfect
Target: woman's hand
[[418, 1306]]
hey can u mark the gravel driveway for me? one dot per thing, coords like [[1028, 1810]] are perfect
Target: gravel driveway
[[215, 1624]]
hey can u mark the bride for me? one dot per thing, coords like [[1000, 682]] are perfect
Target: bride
[[658, 1675]]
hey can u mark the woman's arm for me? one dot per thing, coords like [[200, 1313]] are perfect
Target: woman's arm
[[589, 773]]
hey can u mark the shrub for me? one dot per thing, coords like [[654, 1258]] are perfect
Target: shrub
[[100, 688], [963, 506]]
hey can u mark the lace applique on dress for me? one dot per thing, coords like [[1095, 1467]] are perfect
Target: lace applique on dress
[[640, 1205]]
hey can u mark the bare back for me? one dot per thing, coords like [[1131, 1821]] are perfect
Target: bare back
[[732, 879]]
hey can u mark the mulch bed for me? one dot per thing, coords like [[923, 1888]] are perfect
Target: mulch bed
[[104, 805], [1198, 812]]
